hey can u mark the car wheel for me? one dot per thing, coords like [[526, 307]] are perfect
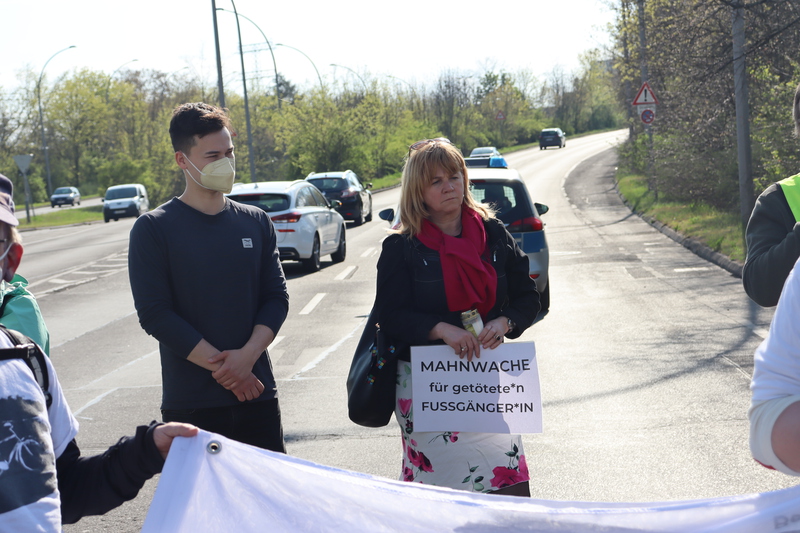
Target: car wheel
[[106, 219], [79, 202], [369, 213], [341, 251], [544, 298], [312, 263], [360, 217]]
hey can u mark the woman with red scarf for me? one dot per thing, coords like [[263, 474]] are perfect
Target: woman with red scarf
[[450, 255]]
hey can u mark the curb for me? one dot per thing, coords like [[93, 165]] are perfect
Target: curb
[[695, 246]]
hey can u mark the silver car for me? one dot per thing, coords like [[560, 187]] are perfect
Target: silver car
[[307, 225]]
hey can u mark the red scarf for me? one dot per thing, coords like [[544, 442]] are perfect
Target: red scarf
[[469, 280]]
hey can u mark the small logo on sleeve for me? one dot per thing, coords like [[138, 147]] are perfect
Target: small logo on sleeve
[[247, 243]]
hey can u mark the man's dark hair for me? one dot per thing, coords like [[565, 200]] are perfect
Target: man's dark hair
[[198, 119]]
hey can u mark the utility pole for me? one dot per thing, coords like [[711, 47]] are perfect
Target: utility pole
[[745, 159], [651, 182], [220, 87]]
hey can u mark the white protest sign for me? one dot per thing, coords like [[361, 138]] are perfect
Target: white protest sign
[[496, 393]]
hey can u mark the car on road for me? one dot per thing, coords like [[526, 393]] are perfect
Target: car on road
[[485, 151], [345, 186], [64, 196], [307, 225], [128, 200], [505, 191], [552, 137]]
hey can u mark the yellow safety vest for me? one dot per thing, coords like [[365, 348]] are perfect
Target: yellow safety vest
[[791, 190]]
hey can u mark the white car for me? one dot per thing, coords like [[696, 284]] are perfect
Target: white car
[[307, 225]]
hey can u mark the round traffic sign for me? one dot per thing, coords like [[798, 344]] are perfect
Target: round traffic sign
[[648, 116]]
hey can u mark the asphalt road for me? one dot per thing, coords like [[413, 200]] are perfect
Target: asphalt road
[[645, 356]]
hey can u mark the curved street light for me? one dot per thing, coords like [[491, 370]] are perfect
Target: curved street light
[[354, 72], [274, 65], [250, 154], [108, 84], [41, 120], [312, 63]]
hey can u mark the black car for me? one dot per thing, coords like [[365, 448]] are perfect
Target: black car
[[552, 137], [347, 187]]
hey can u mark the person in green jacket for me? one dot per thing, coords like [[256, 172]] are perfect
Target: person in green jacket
[[773, 235], [18, 307]]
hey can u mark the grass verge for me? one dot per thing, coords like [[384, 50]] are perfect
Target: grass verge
[[61, 217], [719, 230]]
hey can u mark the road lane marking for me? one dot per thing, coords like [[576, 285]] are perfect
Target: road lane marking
[[691, 269], [345, 273], [94, 401], [368, 252], [321, 357], [277, 340], [313, 303]]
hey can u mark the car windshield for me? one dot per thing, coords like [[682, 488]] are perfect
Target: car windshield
[[124, 192], [62, 190], [482, 151], [508, 199], [329, 184], [269, 202]]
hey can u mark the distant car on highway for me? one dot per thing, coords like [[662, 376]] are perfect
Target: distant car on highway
[[504, 190], [64, 196], [485, 151], [347, 187], [552, 137], [307, 224], [129, 200]]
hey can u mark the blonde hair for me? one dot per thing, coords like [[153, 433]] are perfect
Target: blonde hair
[[418, 173]]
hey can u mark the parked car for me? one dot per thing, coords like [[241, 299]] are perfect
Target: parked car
[[347, 187], [485, 151], [307, 224], [504, 189], [129, 200], [552, 137], [64, 196]]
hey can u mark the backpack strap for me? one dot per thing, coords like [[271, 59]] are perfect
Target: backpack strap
[[34, 357]]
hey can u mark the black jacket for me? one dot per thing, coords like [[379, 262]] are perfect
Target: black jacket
[[773, 246], [95, 485], [411, 297]]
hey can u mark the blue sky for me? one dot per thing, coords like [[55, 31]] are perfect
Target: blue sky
[[414, 41]]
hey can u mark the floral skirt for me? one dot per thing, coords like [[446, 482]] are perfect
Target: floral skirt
[[476, 462]]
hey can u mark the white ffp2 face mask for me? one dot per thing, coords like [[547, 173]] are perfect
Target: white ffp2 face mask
[[218, 175]]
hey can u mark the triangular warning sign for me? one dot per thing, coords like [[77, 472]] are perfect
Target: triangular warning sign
[[645, 96]]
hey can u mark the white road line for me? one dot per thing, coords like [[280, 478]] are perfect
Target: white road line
[[277, 340], [126, 365], [346, 272], [368, 252], [691, 269], [313, 303], [94, 401], [321, 357]]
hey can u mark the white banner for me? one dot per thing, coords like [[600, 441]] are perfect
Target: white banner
[[235, 487], [496, 393]]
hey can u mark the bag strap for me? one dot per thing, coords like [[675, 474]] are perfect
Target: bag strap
[[34, 357]]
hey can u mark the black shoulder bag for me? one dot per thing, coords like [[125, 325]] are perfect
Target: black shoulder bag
[[372, 380]]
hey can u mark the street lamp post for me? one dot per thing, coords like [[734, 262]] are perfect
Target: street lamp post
[[41, 121], [312, 63], [274, 64], [251, 155], [354, 72], [108, 83], [220, 86]]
